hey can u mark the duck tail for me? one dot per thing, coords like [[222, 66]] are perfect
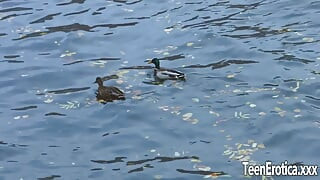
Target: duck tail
[[182, 76], [122, 97]]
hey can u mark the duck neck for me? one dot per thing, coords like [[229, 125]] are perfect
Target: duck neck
[[100, 83], [157, 65]]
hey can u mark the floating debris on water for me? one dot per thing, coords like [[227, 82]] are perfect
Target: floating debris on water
[[67, 53], [70, 105], [241, 115], [189, 44], [243, 152], [307, 39], [187, 116]]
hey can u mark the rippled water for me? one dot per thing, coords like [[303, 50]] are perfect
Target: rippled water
[[252, 89]]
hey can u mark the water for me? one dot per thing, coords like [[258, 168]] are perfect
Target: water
[[252, 89]]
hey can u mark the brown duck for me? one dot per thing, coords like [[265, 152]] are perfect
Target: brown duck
[[108, 93]]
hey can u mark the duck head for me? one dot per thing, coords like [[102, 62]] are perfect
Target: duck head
[[99, 81], [155, 61]]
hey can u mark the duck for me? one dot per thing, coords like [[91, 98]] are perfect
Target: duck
[[108, 93], [164, 73]]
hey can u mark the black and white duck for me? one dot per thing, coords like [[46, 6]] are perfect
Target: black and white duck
[[165, 73]]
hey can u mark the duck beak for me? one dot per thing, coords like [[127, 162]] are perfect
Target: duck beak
[[149, 62], [94, 82]]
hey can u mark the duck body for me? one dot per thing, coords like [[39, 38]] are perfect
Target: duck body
[[170, 74], [108, 93], [164, 73]]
